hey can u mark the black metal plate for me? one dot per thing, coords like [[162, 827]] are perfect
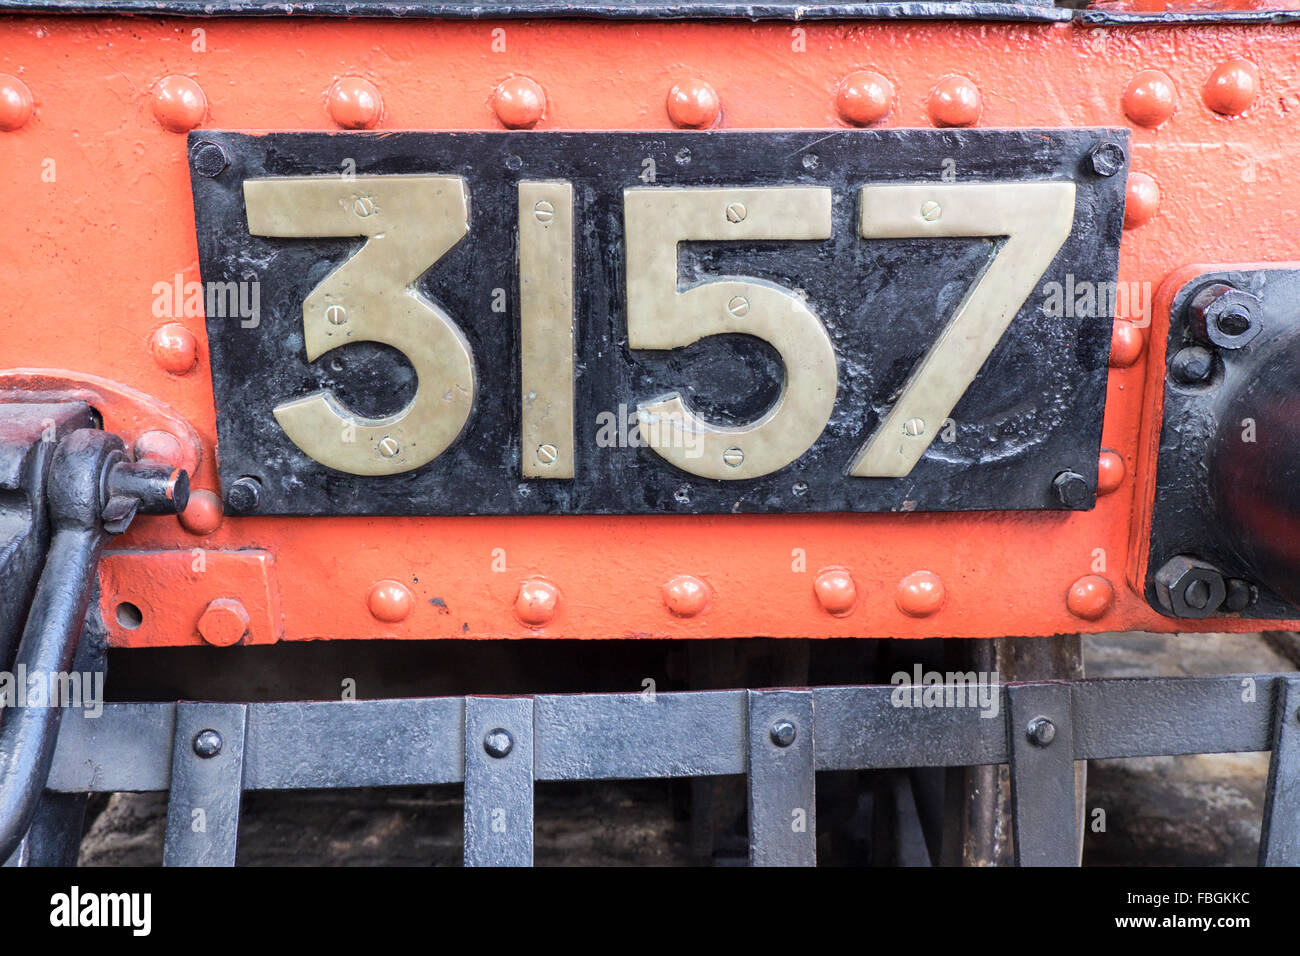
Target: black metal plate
[[1034, 410]]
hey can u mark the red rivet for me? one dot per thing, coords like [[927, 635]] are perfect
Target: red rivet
[[15, 103], [536, 602], [1150, 98], [389, 601], [955, 101], [519, 102], [174, 348], [835, 590], [160, 446], [1232, 87], [1090, 597], [1110, 472], [920, 594], [685, 595], [202, 515], [694, 104], [354, 103], [1126, 344], [864, 97], [1141, 199], [223, 622], [178, 103]]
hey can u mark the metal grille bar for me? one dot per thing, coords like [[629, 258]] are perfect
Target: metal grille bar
[[498, 748]]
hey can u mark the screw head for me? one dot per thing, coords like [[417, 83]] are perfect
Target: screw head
[[209, 159], [336, 315], [544, 210], [1071, 489], [498, 742], [734, 457], [1107, 159], [914, 427], [736, 211], [244, 495], [1041, 731], [547, 454], [1192, 365], [207, 743], [930, 211], [738, 305], [782, 733], [388, 446], [364, 207]]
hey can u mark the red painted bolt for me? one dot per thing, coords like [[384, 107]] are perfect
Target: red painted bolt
[[389, 601], [536, 602], [354, 103], [920, 594], [1110, 472], [16, 103], [202, 515], [1126, 344], [178, 103], [174, 348], [694, 104], [1232, 87], [686, 595], [224, 622], [955, 101], [1150, 98], [520, 102], [1090, 597], [836, 591], [864, 97], [1141, 199]]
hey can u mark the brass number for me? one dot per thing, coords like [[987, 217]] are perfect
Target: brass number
[[661, 317], [546, 328], [1036, 218], [409, 223]]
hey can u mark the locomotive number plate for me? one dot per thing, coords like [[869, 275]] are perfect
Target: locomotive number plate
[[522, 323]]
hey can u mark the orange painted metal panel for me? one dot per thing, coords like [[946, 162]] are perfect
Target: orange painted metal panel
[[100, 219]]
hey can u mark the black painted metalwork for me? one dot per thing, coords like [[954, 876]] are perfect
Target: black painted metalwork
[[311, 745], [1226, 506], [1032, 414]]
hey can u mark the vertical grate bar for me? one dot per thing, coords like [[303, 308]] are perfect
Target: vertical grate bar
[[1040, 737], [206, 785], [498, 781], [782, 788], [1279, 840]]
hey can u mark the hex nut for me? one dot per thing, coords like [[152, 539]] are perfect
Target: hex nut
[[1191, 588], [1225, 317]]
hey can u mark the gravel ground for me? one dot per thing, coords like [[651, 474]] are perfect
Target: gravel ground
[[1198, 810]]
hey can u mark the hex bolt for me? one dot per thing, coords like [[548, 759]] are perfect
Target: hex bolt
[[498, 742], [244, 495], [209, 159], [1240, 595], [207, 743], [1189, 587], [1041, 731], [1071, 489], [1192, 365], [1223, 316], [1107, 159], [782, 733]]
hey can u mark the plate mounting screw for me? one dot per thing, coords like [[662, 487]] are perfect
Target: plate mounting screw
[[388, 447], [1071, 489], [1041, 731], [1107, 159], [244, 495], [498, 742], [209, 159], [733, 457], [544, 211], [364, 207], [930, 211], [207, 743], [736, 211], [1192, 365], [547, 453], [782, 733], [738, 305], [914, 427], [336, 315]]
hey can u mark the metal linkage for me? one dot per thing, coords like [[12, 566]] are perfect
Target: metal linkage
[[207, 754]]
